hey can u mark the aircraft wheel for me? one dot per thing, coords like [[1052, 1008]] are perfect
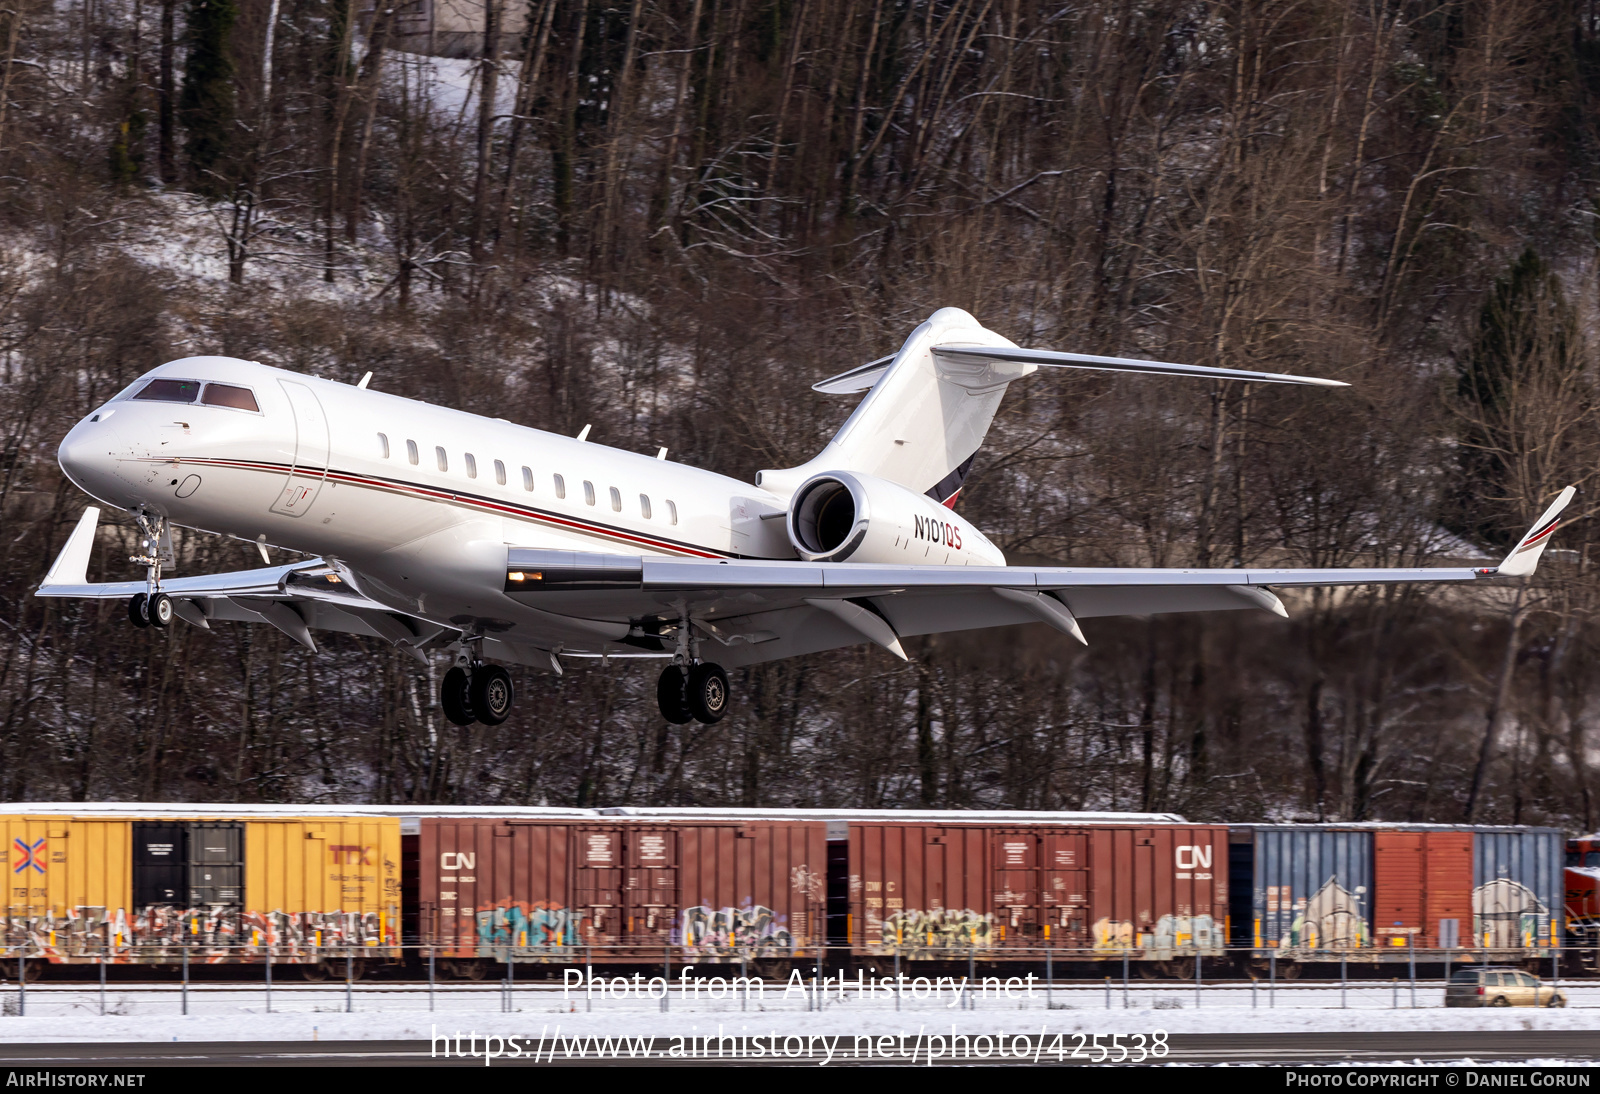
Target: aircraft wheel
[[160, 611], [136, 614], [670, 695], [455, 698], [708, 692], [491, 694]]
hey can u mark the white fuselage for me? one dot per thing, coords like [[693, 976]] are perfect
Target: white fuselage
[[422, 501], [428, 520]]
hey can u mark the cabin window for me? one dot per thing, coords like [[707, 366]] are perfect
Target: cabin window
[[383, 439], [561, 487], [170, 391], [616, 500], [444, 461], [239, 398], [527, 479], [472, 466], [672, 512], [411, 452], [588, 492], [499, 472], [644, 506]]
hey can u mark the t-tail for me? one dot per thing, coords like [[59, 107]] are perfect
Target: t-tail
[[928, 407]]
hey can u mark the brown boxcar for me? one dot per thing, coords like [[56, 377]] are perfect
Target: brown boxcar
[[618, 888], [1421, 879], [938, 889]]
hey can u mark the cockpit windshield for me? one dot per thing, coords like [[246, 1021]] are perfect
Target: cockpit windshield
[[240, 398], [170, 391]]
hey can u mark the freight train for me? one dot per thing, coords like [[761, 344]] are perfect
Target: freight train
[[475, 888]]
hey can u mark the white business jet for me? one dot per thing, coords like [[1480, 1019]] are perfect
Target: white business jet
[[435, 529]]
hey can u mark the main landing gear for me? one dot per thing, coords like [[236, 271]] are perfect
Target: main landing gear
[[700, 693], [475, 692], [690, 688]]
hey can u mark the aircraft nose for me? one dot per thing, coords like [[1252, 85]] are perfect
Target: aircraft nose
[[84, 454]]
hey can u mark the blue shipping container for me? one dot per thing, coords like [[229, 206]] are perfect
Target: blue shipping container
[[1313, 887], [1517, 887]]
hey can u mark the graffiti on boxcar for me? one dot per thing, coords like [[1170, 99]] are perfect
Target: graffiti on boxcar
[[1506, 914], [1333, 918], [1171, 932], [808, 883], [209, 933], [755, 931], [539, 927], [914, 930]]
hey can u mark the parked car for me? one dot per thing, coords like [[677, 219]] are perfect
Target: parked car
[[1500, 987]]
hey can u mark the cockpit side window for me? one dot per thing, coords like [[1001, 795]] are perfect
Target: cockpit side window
[[239, 398], [170, 391]]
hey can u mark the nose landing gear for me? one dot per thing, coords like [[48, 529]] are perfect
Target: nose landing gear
[[475, 692], [152, 608]]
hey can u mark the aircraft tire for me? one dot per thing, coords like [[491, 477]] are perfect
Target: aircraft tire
[[670, 695], [136, 614], [454, 697], [708, 692], [159, 610], [492, 694]]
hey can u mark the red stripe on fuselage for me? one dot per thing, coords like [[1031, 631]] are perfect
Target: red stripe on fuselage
[[470, 501]]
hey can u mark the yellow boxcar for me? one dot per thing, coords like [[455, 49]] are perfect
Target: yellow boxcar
[[147, 884], [67, 885]]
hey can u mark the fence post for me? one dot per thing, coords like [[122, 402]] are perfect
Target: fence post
[[430, 977], [268, 939], [22, 979], [1272, 982], [1197, 960], [1124, 978], [102, 985], [667, 966], [1049, 973], [897, 976], [186, 973], [1108, 993], [1394, 993], [349, 980], [1343, 981], [1411, 955], [1252, 993]]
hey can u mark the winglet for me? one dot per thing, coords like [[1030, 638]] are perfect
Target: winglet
[[71, 566], [1524, 557]]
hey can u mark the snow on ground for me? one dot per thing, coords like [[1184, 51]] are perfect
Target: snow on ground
[[400, 1012]]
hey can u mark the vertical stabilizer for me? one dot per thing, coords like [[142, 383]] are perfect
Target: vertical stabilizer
[[925, 416]]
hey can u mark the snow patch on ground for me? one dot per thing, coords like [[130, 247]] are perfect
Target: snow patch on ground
[[548, 1017]]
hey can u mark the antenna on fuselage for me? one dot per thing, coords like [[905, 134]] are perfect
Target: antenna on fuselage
[[261, 545], [661, 454], [364, 380], [583, 434]]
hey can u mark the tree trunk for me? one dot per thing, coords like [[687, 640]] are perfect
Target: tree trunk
[[1497, 706]]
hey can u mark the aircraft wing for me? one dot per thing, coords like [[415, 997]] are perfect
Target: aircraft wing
[[749, 611], [314, 594]]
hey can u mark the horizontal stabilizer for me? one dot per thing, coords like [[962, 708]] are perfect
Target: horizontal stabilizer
[[1013, 355], [860, 378], [1524, 557]]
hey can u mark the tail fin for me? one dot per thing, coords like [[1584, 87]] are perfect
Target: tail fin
[[930, 406], [924, 418]]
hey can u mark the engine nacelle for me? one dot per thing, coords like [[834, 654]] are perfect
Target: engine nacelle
[[845, 516]]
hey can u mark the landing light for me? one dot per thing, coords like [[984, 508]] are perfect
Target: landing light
[[518, 575]]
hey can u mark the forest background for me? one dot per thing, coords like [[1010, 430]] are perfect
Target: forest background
[[669, 217]]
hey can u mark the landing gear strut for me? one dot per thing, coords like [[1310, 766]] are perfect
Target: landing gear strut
[[689, 687], [475, 692], [151, 608]]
